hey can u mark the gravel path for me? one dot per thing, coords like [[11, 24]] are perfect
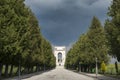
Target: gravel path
[[59, 74]]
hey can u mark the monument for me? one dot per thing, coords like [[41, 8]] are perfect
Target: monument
[[60, 54]]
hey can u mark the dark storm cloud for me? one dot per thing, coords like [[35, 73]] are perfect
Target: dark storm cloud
[[62, 21]]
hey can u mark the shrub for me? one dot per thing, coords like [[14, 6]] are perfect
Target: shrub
[[103, 67]]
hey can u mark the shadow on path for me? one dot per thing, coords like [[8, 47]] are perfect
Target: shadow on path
[[27, 75], [99, 76]]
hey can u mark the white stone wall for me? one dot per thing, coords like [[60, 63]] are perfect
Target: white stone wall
[[60, 49]]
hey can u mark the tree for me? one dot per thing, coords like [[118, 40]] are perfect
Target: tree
[[112, 28], [20, 38], [97, 41], [48, 56], [11, 23], [116, 67], [89, 46]]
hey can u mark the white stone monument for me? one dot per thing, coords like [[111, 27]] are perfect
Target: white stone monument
[[60, 54]]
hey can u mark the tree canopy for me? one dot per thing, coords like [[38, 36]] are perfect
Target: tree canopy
[[21, 41], [89, 46], [112, 28]]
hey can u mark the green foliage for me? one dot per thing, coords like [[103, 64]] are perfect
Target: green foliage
[[112, 28], [111, 69], [89, 46], [21, 41]]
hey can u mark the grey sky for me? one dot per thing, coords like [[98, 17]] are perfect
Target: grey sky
[[63, 21]]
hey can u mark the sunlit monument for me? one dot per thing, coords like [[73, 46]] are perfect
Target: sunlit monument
[[60, 54]]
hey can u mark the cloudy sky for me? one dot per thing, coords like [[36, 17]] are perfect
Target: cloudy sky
[[63, 21]]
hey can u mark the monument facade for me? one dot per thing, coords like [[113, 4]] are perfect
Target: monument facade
[[60, 54]]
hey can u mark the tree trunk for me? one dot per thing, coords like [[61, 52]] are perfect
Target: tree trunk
[[28, 69], [11, 70], [88, 68], [44, 67], [1, 66], [36, 68], [81, 69], [31, 70], [84, 68], [17, 70], [6, 70], [116, 67]]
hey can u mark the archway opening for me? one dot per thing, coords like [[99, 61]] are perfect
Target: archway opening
[[59, 58]]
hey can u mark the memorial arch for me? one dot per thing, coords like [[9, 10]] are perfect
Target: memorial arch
[[60, 54]]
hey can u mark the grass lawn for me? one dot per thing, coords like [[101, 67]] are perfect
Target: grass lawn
[[114, 76], [14, 69], [111, 71]]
